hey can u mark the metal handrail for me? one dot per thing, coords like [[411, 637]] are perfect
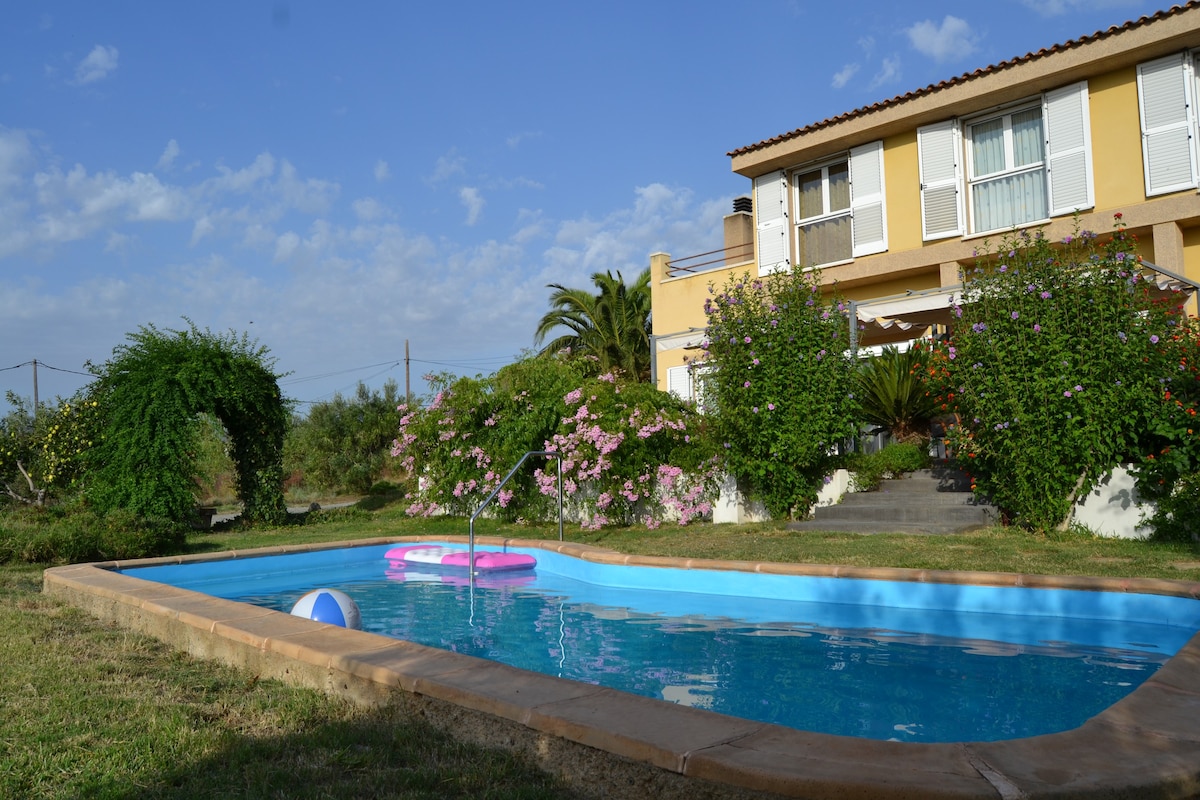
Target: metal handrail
[[496, 491], [676, 265]]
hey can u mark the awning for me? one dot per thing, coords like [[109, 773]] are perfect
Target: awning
[[902, 317]]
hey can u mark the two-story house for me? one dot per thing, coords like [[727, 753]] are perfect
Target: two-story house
[[892, 200]]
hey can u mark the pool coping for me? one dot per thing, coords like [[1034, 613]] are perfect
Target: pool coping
[[610, 743]]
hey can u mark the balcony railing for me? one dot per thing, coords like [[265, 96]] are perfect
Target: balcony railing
[[713, 259]]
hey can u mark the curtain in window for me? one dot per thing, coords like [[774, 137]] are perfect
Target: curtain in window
[[839, 186], [987, 144], [812, 201], [1027, 137], [1010, 200], [825, 242]]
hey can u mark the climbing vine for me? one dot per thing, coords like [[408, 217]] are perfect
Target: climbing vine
[[148, 397]]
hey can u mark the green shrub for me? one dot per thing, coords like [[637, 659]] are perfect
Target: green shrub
[[72, 534], [1061, 358], [343, 445], [782, 382], [870, 469]]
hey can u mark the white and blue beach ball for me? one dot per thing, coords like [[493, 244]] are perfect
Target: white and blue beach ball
[[329, 606]]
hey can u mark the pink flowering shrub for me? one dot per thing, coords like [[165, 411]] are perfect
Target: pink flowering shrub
[[630, 453], [459, 447]]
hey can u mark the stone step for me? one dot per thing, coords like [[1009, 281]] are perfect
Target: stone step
[[889, 513], [889, 497], [873, 527], [931, 501]]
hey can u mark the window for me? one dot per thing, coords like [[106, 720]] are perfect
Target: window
[[823, 208], [1022, 164], [838, 208], [1007, 170]]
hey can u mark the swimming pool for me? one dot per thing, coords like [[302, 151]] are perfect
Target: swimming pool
[[876, 659], [615, 744]]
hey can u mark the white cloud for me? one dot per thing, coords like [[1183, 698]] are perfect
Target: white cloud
[[242, 180], [202, 227], [448, 166], [308, 195], [169, 154], [285, 246], [473, 201], [347, 267], [16, 157], [950, 41], [368, 209], [1055, 8], [97, 65], [842, 77], [889, 72], [515, 140], [382, 172], [117, 243]]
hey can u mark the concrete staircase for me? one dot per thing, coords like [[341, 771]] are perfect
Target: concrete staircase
[[935, 500]]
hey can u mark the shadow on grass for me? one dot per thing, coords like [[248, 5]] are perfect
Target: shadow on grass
[[380, 754]]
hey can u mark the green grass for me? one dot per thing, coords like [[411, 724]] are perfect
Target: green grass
[[92, 711], [990, 549]]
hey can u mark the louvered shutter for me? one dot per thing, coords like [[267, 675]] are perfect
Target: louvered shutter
[[679, 382], [941, 176], [1068, 149], [866, 199], [770, 208], [1165, 103]]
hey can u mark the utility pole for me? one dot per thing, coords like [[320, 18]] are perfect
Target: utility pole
[[35, 391], [407, 385]]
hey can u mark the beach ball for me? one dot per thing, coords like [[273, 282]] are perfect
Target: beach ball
[[329, 606]]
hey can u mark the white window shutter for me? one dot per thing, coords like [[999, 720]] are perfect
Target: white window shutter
[[1165, 104], [679, 382], [867, 200], [770, 209], [939, 164], [1068, 149]]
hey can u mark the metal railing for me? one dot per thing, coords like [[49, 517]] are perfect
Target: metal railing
[[496, 491], [726, 257]]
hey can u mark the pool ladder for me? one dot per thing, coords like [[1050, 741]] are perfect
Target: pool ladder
[[496, 491]]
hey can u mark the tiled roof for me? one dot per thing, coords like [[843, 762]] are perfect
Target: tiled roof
[[968, 76]]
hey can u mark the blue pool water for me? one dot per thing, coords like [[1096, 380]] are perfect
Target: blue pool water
[[876, 659]]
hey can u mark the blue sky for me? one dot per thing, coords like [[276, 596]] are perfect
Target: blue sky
[[335, 179]]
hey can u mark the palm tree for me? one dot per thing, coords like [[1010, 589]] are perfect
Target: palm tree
[[612, 326], [893, 396]]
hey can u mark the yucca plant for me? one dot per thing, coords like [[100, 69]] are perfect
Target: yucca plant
[[893, 396]]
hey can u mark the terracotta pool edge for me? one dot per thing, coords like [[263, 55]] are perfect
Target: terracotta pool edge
[[1148, 745]]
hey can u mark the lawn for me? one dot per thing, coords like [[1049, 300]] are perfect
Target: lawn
[[90, 710]]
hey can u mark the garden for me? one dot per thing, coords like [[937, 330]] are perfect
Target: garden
[[1064, 362]]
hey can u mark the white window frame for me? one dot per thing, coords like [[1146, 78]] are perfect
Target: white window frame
[[827, 214], [1010, 168]]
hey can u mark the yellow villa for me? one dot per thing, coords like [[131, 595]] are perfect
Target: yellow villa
[[892, 200]]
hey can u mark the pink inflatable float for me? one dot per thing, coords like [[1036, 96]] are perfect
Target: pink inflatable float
[[426, 555]]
